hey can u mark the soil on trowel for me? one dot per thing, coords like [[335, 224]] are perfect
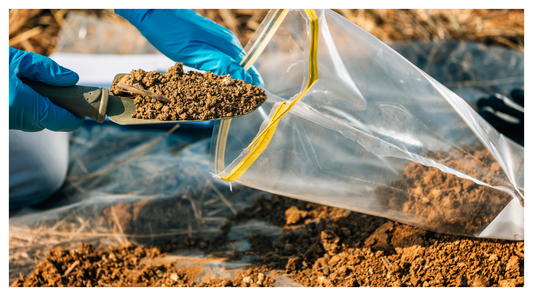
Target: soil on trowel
[[193, 95], [445, 202]]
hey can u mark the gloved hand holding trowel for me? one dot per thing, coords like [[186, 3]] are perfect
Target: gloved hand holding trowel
[[35, 171], [182, 35]]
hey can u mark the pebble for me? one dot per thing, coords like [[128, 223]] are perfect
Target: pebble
[[247, 280], [174, 277]]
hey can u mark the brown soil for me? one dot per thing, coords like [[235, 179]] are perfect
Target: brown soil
[[319, 246], [445, 202], [193, 95], [125, 267], [352, 249], [325, 246]]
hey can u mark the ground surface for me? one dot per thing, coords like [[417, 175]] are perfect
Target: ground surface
[[320, 246]]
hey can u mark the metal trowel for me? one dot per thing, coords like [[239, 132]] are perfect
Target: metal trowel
[[96, 103]]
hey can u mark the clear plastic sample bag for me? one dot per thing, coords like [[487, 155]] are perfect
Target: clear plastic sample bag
[[351, 123]]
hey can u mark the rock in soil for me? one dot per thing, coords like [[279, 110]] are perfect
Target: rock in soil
[[193, 95], [293, 215]]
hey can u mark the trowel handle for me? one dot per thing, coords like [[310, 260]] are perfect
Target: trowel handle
[[82, 101]]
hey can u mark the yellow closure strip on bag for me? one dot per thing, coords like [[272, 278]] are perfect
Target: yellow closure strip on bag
[[259, 45], [261, 142]]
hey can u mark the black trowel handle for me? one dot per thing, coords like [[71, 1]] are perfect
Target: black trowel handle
[[82, 101]]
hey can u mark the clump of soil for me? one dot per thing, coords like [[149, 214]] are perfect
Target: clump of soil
[[125, 267], [445, 202], [193, 95]]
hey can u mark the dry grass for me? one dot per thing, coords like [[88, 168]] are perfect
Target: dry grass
[[37, 29], [491, 26]]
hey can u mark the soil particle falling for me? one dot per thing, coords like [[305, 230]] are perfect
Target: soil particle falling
[[193, 95]]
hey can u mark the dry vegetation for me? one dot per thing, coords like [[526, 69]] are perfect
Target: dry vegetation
[[37, 29]]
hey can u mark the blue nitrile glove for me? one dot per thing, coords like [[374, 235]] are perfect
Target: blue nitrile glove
[[198, 42], [28, 110]]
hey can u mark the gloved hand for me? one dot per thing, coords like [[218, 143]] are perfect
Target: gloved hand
[[185, 36], [28, 110], [505, 114]]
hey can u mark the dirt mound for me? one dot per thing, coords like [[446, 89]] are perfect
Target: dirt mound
[[353, 249], [192, 95], [127, 266]]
